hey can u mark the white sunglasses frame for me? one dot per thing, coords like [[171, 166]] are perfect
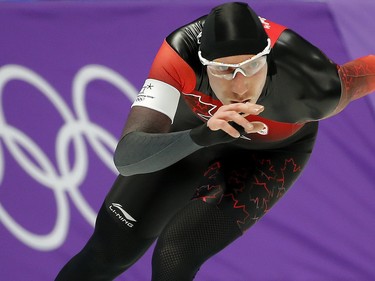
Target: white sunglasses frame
[[237, 66]]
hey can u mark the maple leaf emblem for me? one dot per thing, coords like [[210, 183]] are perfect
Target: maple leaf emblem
[[203, 109]]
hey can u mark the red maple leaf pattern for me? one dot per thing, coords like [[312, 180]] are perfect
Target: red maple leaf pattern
[[248, 193]]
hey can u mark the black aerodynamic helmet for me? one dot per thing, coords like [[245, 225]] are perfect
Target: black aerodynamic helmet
[[232, 29]]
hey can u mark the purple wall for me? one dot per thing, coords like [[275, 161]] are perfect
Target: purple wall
[[68, 73]]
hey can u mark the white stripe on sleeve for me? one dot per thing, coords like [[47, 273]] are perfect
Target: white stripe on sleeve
[[159, 96]]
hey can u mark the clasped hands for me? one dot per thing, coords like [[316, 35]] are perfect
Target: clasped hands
[[237, 113]]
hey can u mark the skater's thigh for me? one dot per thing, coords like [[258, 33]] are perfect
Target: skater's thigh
[[144, 203]]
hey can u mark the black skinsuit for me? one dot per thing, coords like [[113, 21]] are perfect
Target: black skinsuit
[[198, 197]]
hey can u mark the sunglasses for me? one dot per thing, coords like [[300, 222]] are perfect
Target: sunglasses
[[247, 68]]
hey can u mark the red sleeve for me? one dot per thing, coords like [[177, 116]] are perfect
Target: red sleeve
[[357, 80], [170, 68]]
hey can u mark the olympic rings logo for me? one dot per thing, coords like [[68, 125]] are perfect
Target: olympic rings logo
[[61, 179]]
